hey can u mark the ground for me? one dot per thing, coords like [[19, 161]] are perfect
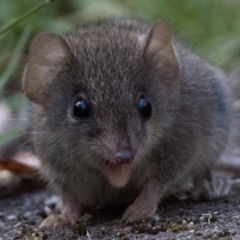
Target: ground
[[178, 219]]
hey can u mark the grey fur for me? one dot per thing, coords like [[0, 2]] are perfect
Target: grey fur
[[184, 137]]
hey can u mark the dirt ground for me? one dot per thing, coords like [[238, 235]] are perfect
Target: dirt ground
[[178, 219]]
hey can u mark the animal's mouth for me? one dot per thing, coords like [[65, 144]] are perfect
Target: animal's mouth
[[122, 162], [118, 173]]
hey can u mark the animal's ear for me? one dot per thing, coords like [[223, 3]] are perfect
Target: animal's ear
[[49, 53], [159, 48]]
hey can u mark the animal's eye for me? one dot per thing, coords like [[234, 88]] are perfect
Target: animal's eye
[[80, 109], [144, 108]]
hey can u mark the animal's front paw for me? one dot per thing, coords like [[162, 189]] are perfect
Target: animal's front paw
[[70, 211], [55, 220], [217, 187], [139, 210], [146, 204]]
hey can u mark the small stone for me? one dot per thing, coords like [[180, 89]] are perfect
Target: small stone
[[26, 215], [11, 217], [52, 201], [47, 210], [191, 223]]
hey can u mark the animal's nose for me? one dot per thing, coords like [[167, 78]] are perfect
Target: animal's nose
[[123, 157]]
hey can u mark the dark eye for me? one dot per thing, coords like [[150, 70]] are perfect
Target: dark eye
[[80, 109], [144, 108]]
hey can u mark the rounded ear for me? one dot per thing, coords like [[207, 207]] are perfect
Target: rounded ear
[[159, 48], [49, 53]]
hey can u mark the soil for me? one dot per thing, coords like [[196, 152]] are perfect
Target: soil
[[178, 219]]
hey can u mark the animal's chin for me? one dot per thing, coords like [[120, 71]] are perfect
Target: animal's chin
[[118, 174]]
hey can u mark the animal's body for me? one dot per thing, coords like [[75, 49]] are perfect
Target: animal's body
[[122, 113]]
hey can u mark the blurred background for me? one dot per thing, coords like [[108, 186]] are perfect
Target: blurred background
[[210, 28]]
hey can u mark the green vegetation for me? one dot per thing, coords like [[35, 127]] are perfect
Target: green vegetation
[[209, 27]]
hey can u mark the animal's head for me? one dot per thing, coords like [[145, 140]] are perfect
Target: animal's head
[[107, 91]]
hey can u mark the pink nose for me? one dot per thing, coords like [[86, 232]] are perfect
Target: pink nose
[[123, 157]]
